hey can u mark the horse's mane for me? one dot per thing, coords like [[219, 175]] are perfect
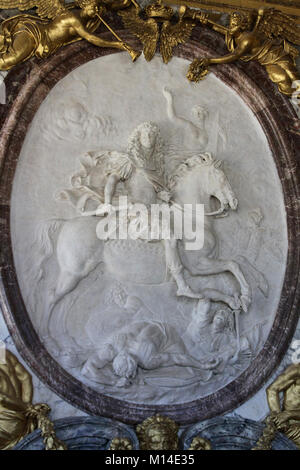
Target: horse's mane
[[202, 159]]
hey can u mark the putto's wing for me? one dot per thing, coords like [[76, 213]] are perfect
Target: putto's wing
[[274, 24], [45, 8], [172, 35], [18, 4], [50, 8], [145, 30]]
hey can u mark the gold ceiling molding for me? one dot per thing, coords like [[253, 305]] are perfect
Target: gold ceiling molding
[[265, 35], [291, 8]]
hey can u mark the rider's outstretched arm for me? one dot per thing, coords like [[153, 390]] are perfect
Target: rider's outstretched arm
[[170, 105], [172, 113]]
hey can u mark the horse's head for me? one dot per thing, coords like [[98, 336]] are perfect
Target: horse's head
[[217, 184], [211, 180]]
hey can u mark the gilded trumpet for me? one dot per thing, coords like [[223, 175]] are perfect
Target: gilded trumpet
[[133, 53]]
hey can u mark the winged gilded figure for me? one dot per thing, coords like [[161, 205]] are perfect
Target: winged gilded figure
[[156, 23], [265, 36], [56, 25]]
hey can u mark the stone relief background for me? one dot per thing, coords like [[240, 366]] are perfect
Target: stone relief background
[[256, 408], [72, 109]]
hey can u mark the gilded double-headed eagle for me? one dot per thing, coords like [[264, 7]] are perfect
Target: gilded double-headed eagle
[[155, 24]]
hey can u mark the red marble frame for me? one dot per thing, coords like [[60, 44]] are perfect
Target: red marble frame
[[27, 86]]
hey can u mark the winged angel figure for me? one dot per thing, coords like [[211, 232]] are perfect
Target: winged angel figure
[[24, 35], [145, 24], [265, 37]]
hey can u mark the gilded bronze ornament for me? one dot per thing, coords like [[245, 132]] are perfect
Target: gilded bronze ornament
[[158, 433], [199, 443], [283, 417], [24, 36], [286, 417], [155, 23], [265, 36], [18, 416], [161, 433], [289, 7], [121, 443]]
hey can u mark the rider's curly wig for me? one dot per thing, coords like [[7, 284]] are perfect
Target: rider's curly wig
[[138, 154]]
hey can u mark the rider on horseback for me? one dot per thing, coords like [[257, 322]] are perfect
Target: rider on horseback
[[143, 173]]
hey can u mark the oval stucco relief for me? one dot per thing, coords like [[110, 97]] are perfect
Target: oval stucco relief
[[128, 327]]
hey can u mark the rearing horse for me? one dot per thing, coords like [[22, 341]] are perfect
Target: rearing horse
[[78, 251]]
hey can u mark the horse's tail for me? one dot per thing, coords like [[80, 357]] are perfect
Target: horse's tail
[[43, 243]]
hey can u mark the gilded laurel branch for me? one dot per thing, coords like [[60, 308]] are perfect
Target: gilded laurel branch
[[40, 413]]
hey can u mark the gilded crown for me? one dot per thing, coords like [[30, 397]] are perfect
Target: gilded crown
[[157, 10]]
